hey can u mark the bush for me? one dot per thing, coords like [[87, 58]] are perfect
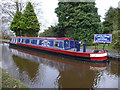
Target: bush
[[116, 39]]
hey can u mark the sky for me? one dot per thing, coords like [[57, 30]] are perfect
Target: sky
[[50, 17], [103, 6]]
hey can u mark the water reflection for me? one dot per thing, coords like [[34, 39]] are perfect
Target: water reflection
[[25, 65], [44, 70]]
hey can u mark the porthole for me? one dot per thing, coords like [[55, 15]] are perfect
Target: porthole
[[56, 44]]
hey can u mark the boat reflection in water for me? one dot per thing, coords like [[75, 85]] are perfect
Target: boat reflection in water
[[55, 61], [45, 70]]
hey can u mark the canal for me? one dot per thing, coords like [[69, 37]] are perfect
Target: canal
[[38, 69]]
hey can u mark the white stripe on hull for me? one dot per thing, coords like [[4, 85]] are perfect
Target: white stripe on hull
[[98, 55]]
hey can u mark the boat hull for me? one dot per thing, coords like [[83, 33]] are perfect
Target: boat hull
[[90, 57]]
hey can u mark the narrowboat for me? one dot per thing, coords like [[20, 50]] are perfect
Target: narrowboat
[[66, 46]]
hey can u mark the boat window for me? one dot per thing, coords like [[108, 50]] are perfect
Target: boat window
[[20, 40], [27, 40], [67, 44], [56, 44], [12, 40], [24, 41], [30, 41], [16, 40], [34, 41], [40, 42], [37, 42]]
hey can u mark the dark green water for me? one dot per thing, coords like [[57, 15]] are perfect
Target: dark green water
[[45, 70]]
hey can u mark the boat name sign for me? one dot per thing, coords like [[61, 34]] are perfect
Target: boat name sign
[[103, 38]]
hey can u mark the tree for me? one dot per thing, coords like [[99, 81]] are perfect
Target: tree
[[116, 39], [112, 25], [78, 20], [9, 8], [50, 32], [30, 21], [111, 20], [16, 23]]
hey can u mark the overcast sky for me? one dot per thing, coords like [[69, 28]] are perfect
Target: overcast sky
[[50, 18]]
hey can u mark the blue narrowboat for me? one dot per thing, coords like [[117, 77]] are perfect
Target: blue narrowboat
[[65, 46]]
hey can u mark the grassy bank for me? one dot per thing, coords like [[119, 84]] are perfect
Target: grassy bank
[[9, 82], [4, 39], [108, 47]]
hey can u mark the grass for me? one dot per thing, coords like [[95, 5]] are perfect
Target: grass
[[10, 82], [108, 47], [4, 39]]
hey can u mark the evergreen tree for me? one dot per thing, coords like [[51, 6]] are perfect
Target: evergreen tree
[[78, 20], [16, 23], [31, 24]]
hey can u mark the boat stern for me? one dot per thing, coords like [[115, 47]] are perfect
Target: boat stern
[[100, 56]]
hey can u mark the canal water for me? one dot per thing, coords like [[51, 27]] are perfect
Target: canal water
[[38, 69]]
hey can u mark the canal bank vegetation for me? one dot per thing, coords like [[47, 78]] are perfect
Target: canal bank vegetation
[[10, 82], [109, 47]]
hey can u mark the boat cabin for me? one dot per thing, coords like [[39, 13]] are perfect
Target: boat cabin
[[56, 43]]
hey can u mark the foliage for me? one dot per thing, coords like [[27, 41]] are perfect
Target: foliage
[[9, 8], [112, 25], [30, 22], [25, 24], [116, 39], [78, 20], [111, 20], [16, 23], [50, 32]]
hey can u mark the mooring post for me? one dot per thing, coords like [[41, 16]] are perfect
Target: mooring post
[[84, 47], [104, 45], [78, 46]]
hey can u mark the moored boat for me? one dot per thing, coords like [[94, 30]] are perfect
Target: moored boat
[[66, 46]]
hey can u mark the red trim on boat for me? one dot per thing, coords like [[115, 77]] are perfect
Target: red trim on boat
[[99, 58]]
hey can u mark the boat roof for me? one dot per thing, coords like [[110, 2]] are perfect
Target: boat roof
[[53, 38]]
